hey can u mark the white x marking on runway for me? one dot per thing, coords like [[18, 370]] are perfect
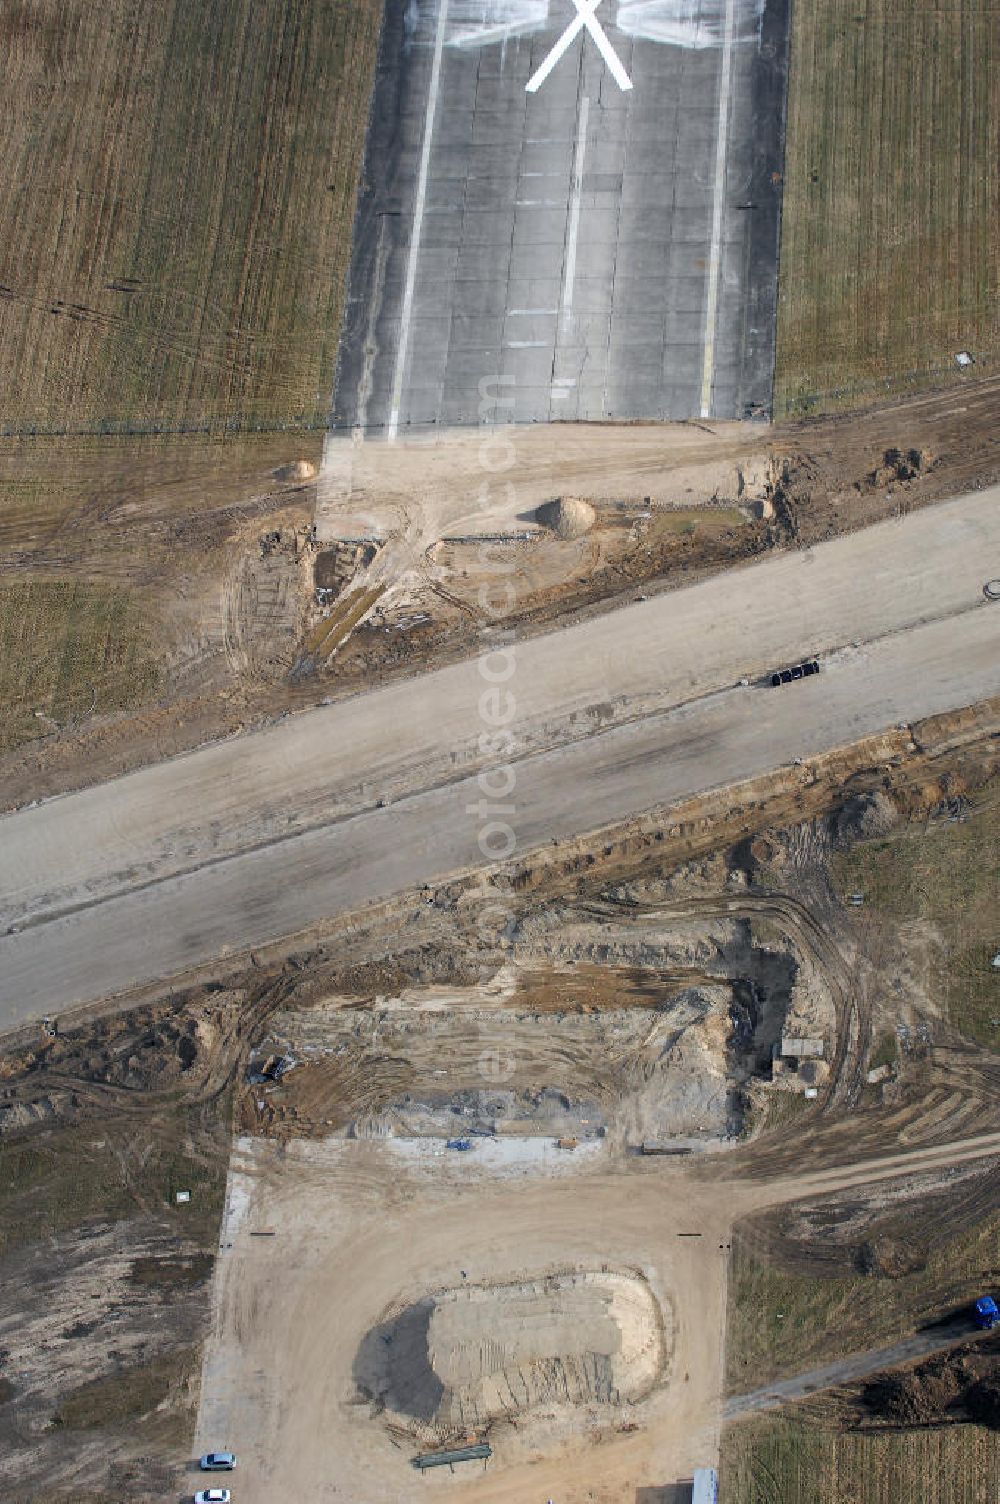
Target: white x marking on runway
[[585, 17]]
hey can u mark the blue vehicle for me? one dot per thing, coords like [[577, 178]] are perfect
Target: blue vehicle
[[459, 1143], [987, 1313]]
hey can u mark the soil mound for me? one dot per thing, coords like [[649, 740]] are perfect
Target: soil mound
[[476, 1354], [890, 1258], [983, 1402], [865, 817], [568, 517], [901, 464], [298, 470], [919, 1397]]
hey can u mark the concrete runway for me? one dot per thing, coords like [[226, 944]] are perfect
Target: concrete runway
[[261, 836], [606, 242]]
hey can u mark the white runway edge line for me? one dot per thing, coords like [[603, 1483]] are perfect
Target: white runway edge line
[[418, 219], [715, 257], [569, 272]]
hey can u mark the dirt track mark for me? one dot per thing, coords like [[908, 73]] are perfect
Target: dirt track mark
[[870, 1171], [847, 1370]]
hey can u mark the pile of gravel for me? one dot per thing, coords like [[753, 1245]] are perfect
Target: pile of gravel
[[567, 516], [865, 817]]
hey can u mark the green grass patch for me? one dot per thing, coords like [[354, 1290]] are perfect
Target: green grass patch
[[125, 1396], [946, 873], [891, 211], [172, 1273], [685, 522], [886, 1051], [105, 1171], [69, 650], [785, 1460]]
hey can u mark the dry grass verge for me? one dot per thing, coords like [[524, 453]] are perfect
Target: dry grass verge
[[56, 1179], [125, 1396], [944, 872], [787, 1459], [782, 1323]]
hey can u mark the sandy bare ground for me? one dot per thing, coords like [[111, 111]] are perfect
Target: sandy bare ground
[[356, 1230], [464, 483]]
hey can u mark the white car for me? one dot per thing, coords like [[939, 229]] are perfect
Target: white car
[[218, 1462], [213, 1496]]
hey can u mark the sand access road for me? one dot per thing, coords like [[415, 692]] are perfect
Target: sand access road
[[358, 1230], [258, 838]]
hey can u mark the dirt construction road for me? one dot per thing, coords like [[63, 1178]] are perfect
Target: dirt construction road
[[849, 1370], [259, 837], [440, 486], [323, 1241], [358, 1232]]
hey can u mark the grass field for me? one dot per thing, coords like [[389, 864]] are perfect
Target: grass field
[[181, 175], [891, 210], [112, 553], [55, 1181], [687, 521], [179, 182], [782, 1323], [787, 1461], [947, 873], [67, 651]]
